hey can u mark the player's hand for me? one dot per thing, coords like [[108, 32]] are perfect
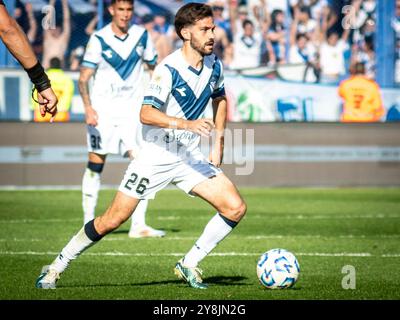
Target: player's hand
[[202, 127], [47, 103], [91, 116]]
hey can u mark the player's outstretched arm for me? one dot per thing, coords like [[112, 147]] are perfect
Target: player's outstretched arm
[[17, 43], [15, 40], [152, 116]]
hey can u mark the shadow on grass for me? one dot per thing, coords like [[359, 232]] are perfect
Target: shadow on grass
[[219, 280], [126, 231]]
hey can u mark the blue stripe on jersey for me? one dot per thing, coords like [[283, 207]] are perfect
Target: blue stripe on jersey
[[192, 106], [153, 101], [218, 93], [124, 67]]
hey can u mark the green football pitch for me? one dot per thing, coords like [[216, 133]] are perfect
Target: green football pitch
[[331, 231]]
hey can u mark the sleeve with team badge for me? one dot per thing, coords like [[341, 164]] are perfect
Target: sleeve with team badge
[[159, 88], [150, 53], [219, 89], [92, 55]]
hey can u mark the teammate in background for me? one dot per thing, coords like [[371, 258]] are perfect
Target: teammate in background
[[362, 100], [17, 43], [63, 86], [172, 114], [115, 58]]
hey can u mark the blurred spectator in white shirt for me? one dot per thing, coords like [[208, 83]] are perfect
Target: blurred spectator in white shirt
[[332, 60], [246, 47]]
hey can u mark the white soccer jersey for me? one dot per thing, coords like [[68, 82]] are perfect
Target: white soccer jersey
[[181, 91], [118, 82]]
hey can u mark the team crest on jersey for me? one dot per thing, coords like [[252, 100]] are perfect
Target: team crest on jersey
[[108, 53]]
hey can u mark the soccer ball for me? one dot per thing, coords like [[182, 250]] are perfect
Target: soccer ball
[[278, 269]]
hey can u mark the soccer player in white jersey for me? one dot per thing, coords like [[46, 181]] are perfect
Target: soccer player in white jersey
[[172, 112], [114, 58]]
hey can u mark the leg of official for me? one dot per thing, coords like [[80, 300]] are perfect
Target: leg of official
[[91, 185], [120, 210], [221, 193]]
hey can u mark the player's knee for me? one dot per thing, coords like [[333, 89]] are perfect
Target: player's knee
[[236, 211], [242, 209]]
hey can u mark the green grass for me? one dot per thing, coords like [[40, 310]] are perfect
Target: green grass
[[35, 225]]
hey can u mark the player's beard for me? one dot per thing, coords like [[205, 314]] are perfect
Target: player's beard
[[202, 48]]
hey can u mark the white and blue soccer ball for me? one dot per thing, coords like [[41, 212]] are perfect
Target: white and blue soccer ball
[[278, 269]]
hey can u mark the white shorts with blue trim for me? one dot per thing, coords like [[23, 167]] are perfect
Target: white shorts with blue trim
[[109, 138], [150, 173]]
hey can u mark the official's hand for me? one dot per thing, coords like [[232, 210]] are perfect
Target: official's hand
[[91, 116], [47, 103], [202, 127]]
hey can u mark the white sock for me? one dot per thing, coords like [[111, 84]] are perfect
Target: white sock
[[79, 243], [90, 192], [214, 232], [139, 215]]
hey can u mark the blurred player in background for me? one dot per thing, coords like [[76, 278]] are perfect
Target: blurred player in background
[[173, 116], [115, 58], [362, 100], [18, 44]]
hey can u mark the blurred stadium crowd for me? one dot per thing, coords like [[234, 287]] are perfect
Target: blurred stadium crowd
[[327, 35]]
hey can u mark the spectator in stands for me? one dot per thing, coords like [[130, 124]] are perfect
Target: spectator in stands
[[318, 8], [238, 15], [56, 40], [332, 60], [23, 13], [63, 87], [258, 13], [162, 43], [305, 24], [247, 48], [222, 40], [302, 51], [162, 26], [364, 52], [361, 96], [277, 35], [218, 9]]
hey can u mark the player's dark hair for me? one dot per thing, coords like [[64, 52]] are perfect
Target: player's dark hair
[[115, 1], [189, 14]]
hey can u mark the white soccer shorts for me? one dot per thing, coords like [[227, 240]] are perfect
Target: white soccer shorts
[[108, 138], [143, 179]]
